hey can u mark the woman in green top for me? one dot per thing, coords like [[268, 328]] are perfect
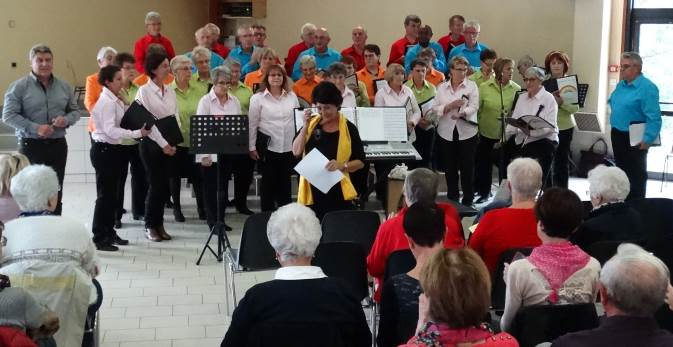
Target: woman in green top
[[557, 64], [188, 93], [490, 107], [129, 153]]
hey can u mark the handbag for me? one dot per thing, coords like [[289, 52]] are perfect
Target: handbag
[[592, 157]]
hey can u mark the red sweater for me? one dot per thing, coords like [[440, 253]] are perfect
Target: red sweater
[[221, 49], [359, 58], [397, 51], [390, 238], [502, 229], [140, 49], [292, 55]]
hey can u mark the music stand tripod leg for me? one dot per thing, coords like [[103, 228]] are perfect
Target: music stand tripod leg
[[217, 229]]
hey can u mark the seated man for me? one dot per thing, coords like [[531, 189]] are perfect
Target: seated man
[[301, 306], [632, 286], [420, 185], [324, 55], [50, 250], [611, 218], [424, 36], [515, 226]]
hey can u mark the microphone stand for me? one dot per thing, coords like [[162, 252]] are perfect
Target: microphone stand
[[501, 167]]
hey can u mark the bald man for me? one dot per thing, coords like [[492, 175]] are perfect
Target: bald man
[[357, 50], [324, 56]]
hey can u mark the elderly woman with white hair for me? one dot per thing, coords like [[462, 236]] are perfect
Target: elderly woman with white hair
[[611, 218], [539, 140], [187, 93], [515, 226], [556, 272], [202, 63], [300, 306], [50, 250]]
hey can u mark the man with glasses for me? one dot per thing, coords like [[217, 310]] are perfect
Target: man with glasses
[[471, 49], [324, 55], [634, 100], [40, 107], [259, 35]]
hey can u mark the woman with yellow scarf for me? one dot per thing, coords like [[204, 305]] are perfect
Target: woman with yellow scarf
[[338, 140]]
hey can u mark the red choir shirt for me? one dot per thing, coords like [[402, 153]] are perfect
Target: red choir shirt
[[391, 238], [292, 55], [447, 43], [141, 45], [221, 49], [359, 58], [398, 49], [502, 229]]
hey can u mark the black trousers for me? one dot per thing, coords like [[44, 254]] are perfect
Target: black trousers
[[50, 152], [242, 167], [157, 168], [425, 140], [632, 160], [276, 174], [210, 189], [561, 162], [130, 154], [459, 157], [543, 152], [483, 166], [106, 159], [184, 166]]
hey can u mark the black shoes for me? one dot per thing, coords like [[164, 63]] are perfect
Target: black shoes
[[482, 198], [119, 241], [118, 224], [177, 213], [138, 217], [106, 246], [244, 210]]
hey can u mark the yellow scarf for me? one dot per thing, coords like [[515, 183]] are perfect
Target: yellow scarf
[[305, 196]]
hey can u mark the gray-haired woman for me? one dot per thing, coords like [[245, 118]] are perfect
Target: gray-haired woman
[[301, 306]]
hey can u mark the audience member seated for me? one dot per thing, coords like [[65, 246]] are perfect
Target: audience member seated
[[304, 86], [557, 272], [515, 226], [632, 287], [424, 36], [356, 50], [471, 49], [611, 218], [420, 186], [424, 230], [455, 300], [22, 319], [301, 306], [10, 165], [153, 36], [50, 250], [324, 55], [307, 34]]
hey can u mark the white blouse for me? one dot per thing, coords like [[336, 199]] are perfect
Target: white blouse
[[211, 105], [466, 90], [107, 115], [349, 98], [527, 105], [273, 116], [388, 97], [160, 104]]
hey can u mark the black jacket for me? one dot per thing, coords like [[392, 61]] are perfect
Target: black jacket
[[619, 331], [613, 222]]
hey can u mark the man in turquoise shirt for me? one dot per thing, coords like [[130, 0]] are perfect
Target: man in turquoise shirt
[[424, 36], [324, 56], [635, 100], [244, 51], [471, 49]]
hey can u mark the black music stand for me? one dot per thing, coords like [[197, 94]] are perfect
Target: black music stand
[[218, 135]]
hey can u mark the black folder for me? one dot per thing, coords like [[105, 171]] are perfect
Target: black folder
[[262, 144], [168, 126], [135, 116]]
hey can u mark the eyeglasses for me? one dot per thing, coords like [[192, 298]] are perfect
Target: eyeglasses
[[471, 33], [260, 34], [625, 66]]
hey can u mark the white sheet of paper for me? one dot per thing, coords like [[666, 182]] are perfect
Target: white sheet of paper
[[312, 167], [636, 134], [198, 157], [349, 113], [382, 124]]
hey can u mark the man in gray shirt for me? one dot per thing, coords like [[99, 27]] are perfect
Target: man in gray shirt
[[40, 107]]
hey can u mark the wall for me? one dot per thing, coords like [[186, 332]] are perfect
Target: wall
[[76, 29]]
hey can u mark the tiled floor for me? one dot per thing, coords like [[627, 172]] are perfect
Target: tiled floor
[[155, 295]]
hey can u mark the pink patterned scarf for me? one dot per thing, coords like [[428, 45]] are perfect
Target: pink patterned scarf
[[557, 262]]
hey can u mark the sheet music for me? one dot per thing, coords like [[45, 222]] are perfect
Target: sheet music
[[382, 123], [351, 81], [380, 83], [349, 113]]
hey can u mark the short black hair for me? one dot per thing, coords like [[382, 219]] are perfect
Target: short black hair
[[417, 62], [107, 74], [424, 223], [560, 212], [488, 54], [124, 57], [327, 93], [152, 62], [372, 48]]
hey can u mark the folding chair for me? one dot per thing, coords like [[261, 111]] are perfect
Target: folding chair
[[657, 217], [543, 323], [604, 250], [499, 288], [351, 226], [253, 254], [399, 262], [347, 260]]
